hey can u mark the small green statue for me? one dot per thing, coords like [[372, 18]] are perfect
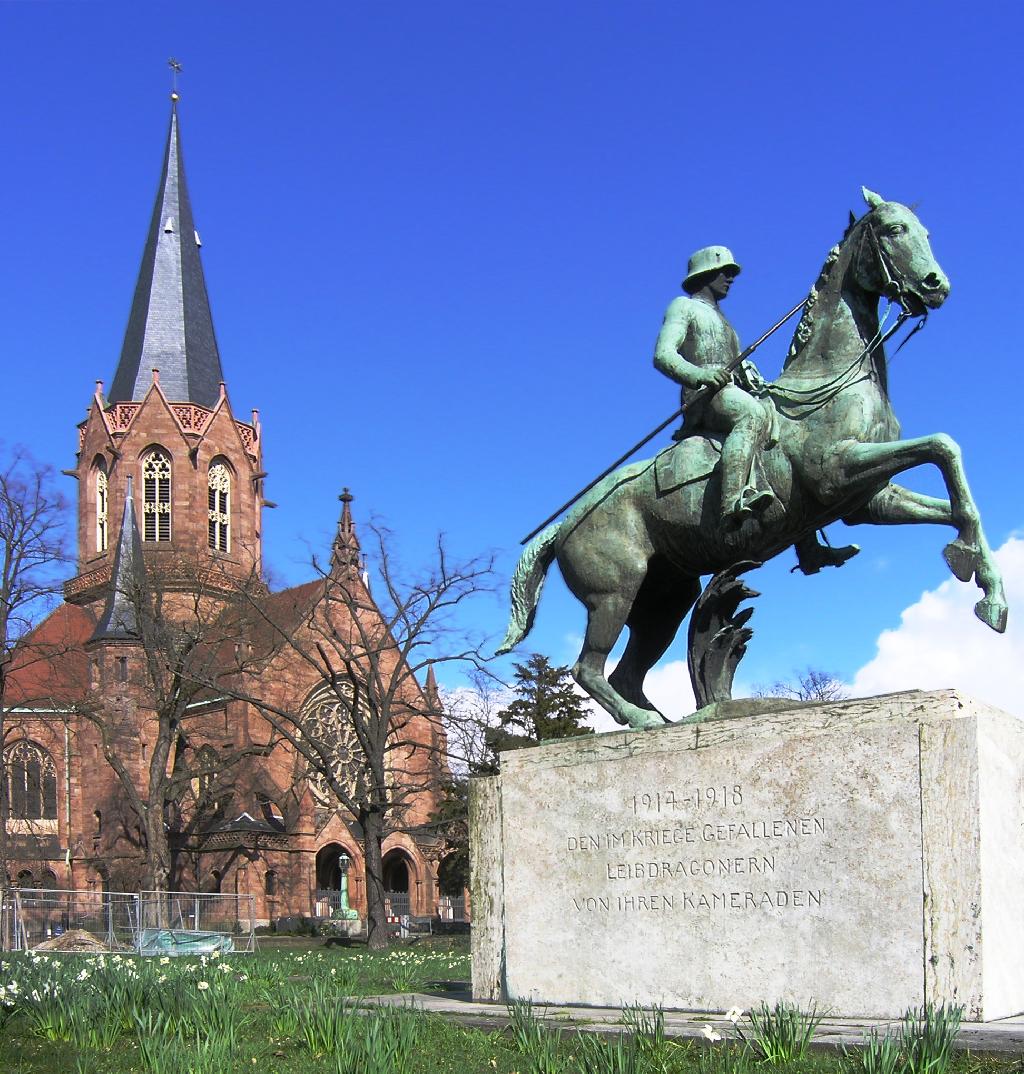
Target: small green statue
[[344, 911]]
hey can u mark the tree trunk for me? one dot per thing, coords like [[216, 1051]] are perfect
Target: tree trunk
[[158, 854], [3, 790], [376, 917], [6, 928]]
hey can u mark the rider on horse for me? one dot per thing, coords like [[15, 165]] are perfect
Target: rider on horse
[[695, 346]]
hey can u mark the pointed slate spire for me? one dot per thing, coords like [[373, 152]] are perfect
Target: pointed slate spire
[[119, 621], [345, 550], [170, 326]]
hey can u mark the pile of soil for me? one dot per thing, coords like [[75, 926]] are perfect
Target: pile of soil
[[76, 941]]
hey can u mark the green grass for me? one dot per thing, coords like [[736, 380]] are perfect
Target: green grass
[[294, 1010]]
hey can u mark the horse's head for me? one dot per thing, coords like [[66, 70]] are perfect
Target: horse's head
[[894, 257]]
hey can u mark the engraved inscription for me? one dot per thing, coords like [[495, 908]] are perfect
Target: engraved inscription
[[693, 798], [651, 870], [641, 838], [691, 900], [703, 836]]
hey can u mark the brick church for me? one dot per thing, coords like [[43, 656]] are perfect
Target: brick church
[[171, 487]]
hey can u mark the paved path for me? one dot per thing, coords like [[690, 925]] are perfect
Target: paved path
[[1005, 1037]]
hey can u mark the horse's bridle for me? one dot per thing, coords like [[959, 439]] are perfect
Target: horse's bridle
[[893, 287], [895, 291]]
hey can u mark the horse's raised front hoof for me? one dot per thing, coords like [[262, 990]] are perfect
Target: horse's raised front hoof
[[961, 559], [992, 613]]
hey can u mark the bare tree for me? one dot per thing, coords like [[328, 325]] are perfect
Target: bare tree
[[471, 712], [33, 546], [810, 684], [471, 719], [484, 719], [374, 739], [154, 713]]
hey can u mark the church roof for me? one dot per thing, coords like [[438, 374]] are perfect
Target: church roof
[[119, 621], [50, 665], [246, 822], [170, 326]]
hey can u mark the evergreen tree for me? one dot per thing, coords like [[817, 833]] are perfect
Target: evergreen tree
[[547, 706]]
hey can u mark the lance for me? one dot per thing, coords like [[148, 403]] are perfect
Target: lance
[[697, 396]]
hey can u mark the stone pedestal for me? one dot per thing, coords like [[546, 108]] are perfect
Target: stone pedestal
[[346, 926], [865, 855]]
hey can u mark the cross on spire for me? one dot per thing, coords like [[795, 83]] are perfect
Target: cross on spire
[[175, 67]]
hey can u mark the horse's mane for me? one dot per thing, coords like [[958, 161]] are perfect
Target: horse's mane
[[805, 327]]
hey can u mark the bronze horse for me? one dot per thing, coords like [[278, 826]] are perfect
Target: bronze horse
[[634, 548]]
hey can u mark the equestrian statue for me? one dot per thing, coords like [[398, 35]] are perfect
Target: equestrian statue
[[757, 467]]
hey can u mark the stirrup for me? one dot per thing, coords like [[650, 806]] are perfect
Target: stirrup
[[758, 499]]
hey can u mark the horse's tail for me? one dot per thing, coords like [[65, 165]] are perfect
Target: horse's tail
[[527, 583]]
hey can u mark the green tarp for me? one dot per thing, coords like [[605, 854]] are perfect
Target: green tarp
[[184, 942]]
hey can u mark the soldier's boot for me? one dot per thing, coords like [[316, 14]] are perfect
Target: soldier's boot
[[741, 500], [740, 497], [812, 555]]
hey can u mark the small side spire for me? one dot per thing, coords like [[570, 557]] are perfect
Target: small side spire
[[431, 691], [345, 552], [119, 621]]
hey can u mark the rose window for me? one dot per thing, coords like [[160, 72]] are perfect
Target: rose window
[[328, 723]]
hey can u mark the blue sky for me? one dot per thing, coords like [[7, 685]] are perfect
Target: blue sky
[[439, 241]]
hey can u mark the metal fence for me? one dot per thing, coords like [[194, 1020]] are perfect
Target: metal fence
[[110, 919], [451, 908], [173, 922], [198, 914], [326, 901], [396, 903]]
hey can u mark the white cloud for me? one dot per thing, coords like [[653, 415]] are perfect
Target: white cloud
[[940, 643]]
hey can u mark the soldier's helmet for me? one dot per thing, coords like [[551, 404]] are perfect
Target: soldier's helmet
[[708, 259]]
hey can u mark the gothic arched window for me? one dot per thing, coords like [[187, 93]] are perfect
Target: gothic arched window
[[156, 496], [102, 507], [205, 768], [220, 507], [31, 782]]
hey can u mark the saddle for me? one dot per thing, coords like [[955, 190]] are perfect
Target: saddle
[[693, 459], [689, 460]]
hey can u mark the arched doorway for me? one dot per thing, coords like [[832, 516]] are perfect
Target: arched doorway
[[331, 859], [399, 876], [328, 867]]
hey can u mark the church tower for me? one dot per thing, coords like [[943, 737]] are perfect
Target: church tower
[[166, 426]]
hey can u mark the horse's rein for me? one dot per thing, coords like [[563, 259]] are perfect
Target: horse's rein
[[824, 393]]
